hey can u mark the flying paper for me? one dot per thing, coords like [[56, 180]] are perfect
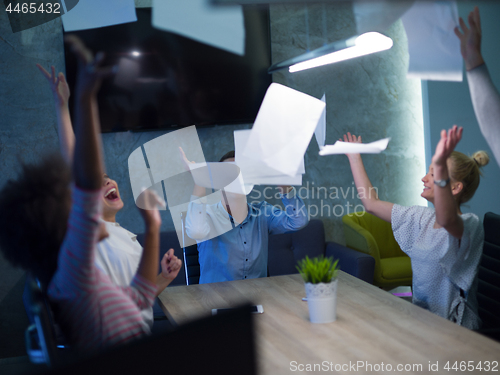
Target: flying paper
[[159, 166], [355, 148], [283, 129], [219, 26], [256, 172], [217, 176], [433, 46], [91, 14], [377, 15], [320, 131]]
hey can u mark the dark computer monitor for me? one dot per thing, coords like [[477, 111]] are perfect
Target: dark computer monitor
[[168, 81]]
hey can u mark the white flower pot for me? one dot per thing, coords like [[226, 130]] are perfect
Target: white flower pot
[[322, 302]]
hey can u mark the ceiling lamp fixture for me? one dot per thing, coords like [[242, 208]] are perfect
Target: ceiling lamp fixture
[[337, 51]]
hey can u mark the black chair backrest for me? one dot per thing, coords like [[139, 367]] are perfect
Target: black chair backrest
[[192, 265], [39, 309], [489, 273]]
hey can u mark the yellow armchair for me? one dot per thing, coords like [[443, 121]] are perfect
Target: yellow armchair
[[369, 234]]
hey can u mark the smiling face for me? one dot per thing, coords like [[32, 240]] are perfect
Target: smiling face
[[428, 181], [429, 186], [111, 198]]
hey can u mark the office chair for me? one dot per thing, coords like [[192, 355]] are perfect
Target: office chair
[[489, 278], [44, 340]]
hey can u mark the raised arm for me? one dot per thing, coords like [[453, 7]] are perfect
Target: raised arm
[[170, 267], [76, 258], [446, 206], [148, 266], [366, 191], [296, 216], [470, 40], [485, 97], [198, 191], [197, 227], [61, 93], [88, 160]]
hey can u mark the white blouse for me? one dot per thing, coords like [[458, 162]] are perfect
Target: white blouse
[[118, 256], [444, 267]]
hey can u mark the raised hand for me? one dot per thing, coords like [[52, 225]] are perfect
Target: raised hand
[[91, 70], [170, 265], [185, 161], [58, 85], [470, 40], [351, 138], [148, 204], [446, 145]]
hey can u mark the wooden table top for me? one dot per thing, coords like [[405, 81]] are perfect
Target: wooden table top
[[373, 328]]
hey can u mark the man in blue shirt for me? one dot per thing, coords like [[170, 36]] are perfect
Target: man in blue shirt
[[240, 252]]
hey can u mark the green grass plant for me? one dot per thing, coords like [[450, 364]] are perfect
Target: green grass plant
[[318, 270]]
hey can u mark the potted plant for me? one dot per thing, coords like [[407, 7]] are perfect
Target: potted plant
[[320, 276]]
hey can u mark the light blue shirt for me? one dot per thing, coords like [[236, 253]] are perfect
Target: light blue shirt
[[240, 252]]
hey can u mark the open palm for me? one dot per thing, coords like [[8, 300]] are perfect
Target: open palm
[[58, 85], [447, 144]]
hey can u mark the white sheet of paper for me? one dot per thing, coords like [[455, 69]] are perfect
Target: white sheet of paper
[[164, 156], [320, 131], [219, 26], [283, 129], [141, 177], [256, 172], [433, 46], [355, 148], [90, 14], [377, 15], [218, 176]]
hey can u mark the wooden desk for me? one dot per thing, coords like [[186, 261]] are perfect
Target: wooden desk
[[372, 327]]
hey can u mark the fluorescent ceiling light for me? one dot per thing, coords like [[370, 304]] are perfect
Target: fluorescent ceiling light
[[136, 53], [338, 51]]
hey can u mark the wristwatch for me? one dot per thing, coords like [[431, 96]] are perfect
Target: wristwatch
[[442, 183]]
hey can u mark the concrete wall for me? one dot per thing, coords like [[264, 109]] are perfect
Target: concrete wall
[[27, 118], [368, 96]]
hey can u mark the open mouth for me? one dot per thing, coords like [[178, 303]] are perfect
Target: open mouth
[[111, 195]]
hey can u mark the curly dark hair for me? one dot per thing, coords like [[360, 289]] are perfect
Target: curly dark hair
[[34, 213]]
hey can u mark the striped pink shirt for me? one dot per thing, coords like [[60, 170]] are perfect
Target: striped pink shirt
[[93, 312]]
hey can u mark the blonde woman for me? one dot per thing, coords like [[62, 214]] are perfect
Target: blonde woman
[[444, 244]]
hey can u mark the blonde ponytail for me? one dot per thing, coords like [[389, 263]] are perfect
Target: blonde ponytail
[[466, 169]]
